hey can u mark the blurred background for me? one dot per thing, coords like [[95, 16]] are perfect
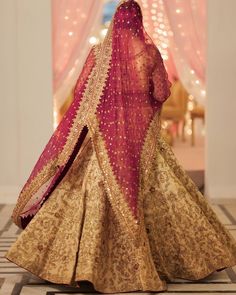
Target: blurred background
[[44, 45]]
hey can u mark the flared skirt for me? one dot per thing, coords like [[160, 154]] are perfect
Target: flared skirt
[[76, 235]]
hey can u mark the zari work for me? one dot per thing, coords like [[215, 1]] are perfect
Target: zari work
[[181, 235]]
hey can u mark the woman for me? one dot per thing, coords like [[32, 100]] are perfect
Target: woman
[[107, 201]]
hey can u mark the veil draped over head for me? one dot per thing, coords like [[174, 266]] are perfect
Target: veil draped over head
[[117, 98]]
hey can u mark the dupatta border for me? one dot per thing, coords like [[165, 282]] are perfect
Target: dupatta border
[[90, 99], [115, 195]]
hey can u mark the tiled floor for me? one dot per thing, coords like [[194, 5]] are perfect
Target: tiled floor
[[14, 280]]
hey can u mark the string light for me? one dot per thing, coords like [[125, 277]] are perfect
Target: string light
[[55, 118], [203, 92], [158, 25], [155, 16], [155, 21], [103, 32], [93, 40]]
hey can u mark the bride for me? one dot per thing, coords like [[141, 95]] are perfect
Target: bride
[[107, 202]]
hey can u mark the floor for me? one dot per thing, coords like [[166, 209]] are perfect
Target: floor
[[15, 281]]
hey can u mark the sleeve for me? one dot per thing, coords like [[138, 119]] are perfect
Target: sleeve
[[161, 83]]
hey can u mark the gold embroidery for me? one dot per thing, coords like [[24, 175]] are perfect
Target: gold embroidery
[[45, 174], [79, 217], [186, 237], [180, 235]]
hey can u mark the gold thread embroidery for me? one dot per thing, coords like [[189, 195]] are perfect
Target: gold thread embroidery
[[136, 231]]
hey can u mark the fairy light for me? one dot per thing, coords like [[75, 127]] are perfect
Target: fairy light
[[203, 92], [155, 22], [93, 40], [55, 118], [103, 32]]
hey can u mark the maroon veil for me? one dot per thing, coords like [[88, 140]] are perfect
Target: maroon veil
[[118, 98]]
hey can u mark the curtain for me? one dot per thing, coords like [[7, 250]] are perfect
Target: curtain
[[73, 23], [179, 29]]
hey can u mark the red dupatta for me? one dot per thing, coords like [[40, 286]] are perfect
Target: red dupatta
[[118, 97]]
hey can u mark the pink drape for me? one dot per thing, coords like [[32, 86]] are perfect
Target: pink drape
[[178, 27], [74, 22]]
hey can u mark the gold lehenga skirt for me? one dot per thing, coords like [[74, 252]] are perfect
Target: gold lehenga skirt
[[76, 236]]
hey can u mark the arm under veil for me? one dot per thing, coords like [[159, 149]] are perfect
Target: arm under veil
[[161, 83]]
